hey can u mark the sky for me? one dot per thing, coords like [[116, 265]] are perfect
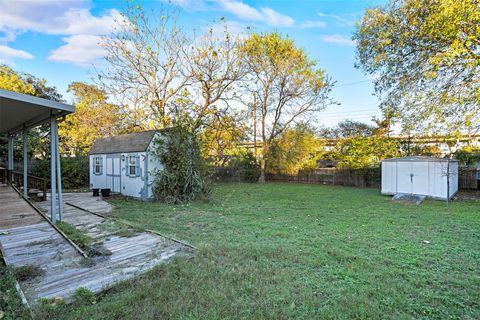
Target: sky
[[58, 40]]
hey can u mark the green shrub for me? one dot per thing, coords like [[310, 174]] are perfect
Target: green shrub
[[75, 171], [468, 155], [243, 166], [184, 177]]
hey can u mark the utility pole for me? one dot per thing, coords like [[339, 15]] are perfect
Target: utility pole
[[254, 111], [388, 122]]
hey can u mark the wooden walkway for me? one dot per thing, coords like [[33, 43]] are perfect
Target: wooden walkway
[[27, 239]]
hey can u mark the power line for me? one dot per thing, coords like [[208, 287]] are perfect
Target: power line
[[350, 112], [352, 83]]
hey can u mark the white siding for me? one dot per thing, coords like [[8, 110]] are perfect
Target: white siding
[[138, 186], [427, 178], [454, 178], [132, 186], [97, 181], [389, 178], [153, 165]]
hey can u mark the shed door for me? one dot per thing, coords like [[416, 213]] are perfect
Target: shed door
[[420, 178], [413, 177], [113, 173], [404, 183]]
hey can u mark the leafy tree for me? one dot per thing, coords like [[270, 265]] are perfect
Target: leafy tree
[[414, 149], [469, 155], [425, 56], [348, 128], [38, 137], [94, 118], [214, 66], [220, 138], [364, 152], [143, 63], [165, 75], [297, 148], [287, 85], [15, 81]]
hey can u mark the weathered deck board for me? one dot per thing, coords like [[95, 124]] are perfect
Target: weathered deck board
[[14, 211], [32, 240]]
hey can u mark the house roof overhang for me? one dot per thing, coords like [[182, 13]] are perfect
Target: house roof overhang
[[18, 111]]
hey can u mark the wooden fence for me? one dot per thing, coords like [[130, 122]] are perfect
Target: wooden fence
[[467, 179], [331, 176], [220, 174], [364, 178]]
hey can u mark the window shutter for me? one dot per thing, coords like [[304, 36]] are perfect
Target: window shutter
[[137, 164], [93, 165], [101, 165], [127, 161]]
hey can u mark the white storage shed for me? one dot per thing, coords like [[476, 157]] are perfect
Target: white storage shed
[[426, 176], [125, 164]]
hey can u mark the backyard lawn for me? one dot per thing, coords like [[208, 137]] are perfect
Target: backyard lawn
[[282, 251]]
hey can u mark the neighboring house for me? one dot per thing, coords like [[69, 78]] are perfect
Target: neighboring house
[[421, 176], [125, 164]]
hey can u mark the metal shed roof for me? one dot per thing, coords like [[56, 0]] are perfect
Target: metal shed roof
[[19, 110], [419, 159], [132, 142]]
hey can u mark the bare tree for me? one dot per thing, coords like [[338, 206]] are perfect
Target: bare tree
[[286, 84], [214, 67], [144, 62], [167, 76]]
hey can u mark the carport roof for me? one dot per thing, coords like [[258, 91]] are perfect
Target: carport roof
[[19, 110]]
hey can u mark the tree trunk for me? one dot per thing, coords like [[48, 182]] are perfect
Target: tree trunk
[[262, 178], [263, 164]]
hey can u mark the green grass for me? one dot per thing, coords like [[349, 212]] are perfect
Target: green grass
[[80, 239], [11, 306], [118, 229], [282, 251]]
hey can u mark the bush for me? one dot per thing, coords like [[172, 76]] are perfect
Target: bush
[[184, 177], [75, 171], [468, 155], [241, 167]]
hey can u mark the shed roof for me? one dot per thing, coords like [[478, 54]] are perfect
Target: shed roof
[[132, 142], [418, 159]]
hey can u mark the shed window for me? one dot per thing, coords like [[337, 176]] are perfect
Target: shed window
[[97, 165], [132, 165]]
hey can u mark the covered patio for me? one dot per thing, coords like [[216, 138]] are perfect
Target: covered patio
[[31, 235], [19, 113]]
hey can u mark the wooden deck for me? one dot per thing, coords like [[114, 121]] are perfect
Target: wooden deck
[[14, 211], [30, 240]]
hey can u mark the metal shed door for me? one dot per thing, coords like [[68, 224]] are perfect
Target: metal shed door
[[413, 177], [420, 178], [113, 173]]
